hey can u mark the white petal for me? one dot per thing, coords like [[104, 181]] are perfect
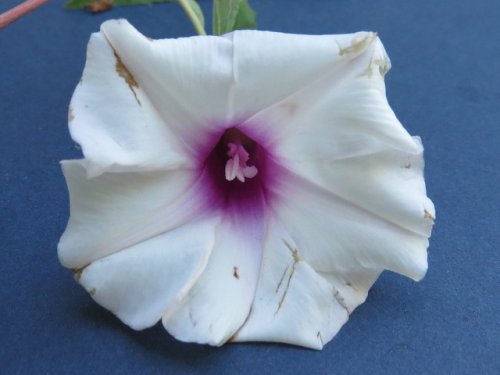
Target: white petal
[[220, 301], [116, 210], [187, 79], [114, 121], [143, 282], [293, 304], [352, 286], [341, 114], [270, 66], [388, 183], [335, 235]]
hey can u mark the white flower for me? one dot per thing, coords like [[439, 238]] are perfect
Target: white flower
[[248, 187]]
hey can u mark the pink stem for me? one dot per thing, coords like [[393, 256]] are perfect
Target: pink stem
[[19, 11]]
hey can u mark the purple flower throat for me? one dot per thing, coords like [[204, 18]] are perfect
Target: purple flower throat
[[236, 171]]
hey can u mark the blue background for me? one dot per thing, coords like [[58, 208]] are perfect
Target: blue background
[[444, 86]]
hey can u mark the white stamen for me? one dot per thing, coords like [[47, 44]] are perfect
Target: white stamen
[[250, 172], [236, 166], [230, 170]]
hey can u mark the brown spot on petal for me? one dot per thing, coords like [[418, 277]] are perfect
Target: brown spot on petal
[[77, 272], [92, 292], [123, 72], [341, 301], [296, 259], [281, 280], [428, 215], [236, 273], [357, 44], [318, 335], [292, 108], [383, 67], [283, 297], [382, 64], [191, 318]]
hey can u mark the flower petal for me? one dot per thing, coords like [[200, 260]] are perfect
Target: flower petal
[[352, 286], [293, 304], [219, 303], [342, 114], [187, 79], [114, 121], [292, 62], [143, 282], [336, 236], [388, 183], [116, 210]]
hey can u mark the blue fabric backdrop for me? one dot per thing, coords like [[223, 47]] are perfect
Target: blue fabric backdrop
[[444, 86]]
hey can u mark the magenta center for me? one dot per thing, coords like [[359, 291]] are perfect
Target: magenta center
[[236, 170]]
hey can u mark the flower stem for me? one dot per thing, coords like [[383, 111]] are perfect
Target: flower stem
[[19, 11], [192, 17]]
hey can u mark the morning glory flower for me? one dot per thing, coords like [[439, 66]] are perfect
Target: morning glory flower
[[244, 187]]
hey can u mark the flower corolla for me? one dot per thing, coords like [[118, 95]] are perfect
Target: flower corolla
[[244, 187]]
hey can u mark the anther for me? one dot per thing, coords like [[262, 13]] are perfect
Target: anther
[[236, 165]]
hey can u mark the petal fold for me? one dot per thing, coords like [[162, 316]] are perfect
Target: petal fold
[[341, 114], [218, 304], [335, 235], [187, 79], [114, 121], [293, 304], [142, 283], [116, 210], [388, 183], [313, 57]]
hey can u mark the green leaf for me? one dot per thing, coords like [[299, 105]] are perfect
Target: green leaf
[[224, 15], [229, 15], [245, 18], [77, 4], [80, 4]]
